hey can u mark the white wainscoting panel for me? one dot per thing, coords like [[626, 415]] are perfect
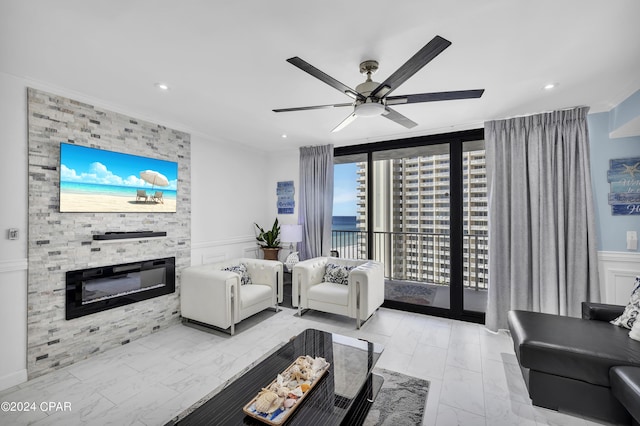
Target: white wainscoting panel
[[216, 251], [13, 265], [213, 258], [251, 251], [617, 275], [13, 323]]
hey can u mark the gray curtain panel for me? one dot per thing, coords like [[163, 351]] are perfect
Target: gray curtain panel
[[542, 241], [316, 200]]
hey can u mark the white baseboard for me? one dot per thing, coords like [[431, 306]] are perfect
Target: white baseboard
[[13, 379], [617, 274]]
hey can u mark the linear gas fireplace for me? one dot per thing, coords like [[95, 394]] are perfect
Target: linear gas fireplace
[[107, 287]]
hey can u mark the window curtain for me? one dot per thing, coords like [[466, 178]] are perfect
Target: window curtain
[[542, 244], [316, 200]]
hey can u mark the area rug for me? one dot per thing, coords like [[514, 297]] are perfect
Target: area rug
[[415, 293], [410, 292], [400, 402]]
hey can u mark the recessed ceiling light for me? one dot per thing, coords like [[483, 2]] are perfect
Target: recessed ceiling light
[[284, 135], [550, 86], [162, 86]]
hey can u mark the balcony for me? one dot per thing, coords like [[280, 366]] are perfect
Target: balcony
[[421, 257]]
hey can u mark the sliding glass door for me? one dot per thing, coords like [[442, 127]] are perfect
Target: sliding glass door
[[412, 223], [421, 210], [475, 227]]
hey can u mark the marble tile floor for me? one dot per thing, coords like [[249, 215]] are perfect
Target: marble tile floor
[[474, 376]]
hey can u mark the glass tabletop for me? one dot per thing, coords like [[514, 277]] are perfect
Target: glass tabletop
[[333, 400]]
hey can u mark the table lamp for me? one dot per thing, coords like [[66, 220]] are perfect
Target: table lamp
[[291, 234]]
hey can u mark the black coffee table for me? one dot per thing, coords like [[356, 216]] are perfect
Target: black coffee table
[[342, 396]]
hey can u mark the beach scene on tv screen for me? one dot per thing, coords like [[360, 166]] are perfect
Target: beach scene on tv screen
[[95, 180]]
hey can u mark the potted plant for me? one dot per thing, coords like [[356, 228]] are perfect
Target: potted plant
[[269, 240]]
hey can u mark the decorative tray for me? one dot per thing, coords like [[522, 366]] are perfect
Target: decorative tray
[[277, 401]]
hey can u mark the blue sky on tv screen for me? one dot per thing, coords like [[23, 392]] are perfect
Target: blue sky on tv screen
[[86, 165]]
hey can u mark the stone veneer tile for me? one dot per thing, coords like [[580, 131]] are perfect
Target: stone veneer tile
[[60, 242]]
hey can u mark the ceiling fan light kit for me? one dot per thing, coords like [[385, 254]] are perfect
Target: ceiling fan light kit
[[372, 99], [369, 109]]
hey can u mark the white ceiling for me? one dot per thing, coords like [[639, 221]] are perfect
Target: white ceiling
[[225, 61]]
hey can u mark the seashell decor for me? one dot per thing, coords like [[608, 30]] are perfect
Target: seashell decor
[[268, 401], [275, 402]]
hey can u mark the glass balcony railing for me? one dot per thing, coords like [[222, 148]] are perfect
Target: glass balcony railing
[[422, 257]]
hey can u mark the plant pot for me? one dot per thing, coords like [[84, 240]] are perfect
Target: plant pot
[[270, 253]]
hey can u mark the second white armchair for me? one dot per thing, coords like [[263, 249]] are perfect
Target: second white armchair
[[350, 287]]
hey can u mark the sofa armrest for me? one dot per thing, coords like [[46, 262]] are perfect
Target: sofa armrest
[[305, 274], [625, 386], [205, 295], [370, 278], [601, 311]]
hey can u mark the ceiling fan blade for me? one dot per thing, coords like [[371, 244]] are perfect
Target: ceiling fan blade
[[310, 69], [435, 96], [394, 115], [412, 66], [345, 122], [312, 107]]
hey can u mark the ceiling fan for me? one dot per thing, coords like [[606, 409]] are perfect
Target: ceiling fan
[[372, 98]]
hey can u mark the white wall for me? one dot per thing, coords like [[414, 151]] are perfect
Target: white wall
[[230, 187], [217, 237], [13, 253], [228, 194], [283, 166], [617, 266]]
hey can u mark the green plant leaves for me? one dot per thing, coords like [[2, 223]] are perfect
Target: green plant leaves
[[271, 238]]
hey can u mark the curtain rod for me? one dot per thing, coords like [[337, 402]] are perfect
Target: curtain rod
[[542, 112]]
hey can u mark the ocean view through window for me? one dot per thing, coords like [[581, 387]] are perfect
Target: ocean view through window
[[344, 223], [348, 221]]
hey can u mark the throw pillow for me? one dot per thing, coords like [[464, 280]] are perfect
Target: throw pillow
[[635, 331], [338, 274], [241, 270], [632, 310]]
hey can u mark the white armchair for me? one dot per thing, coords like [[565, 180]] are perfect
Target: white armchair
[[216, 297], [359, 298]]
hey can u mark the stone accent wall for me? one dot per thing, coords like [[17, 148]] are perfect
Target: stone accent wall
[[60, 242]]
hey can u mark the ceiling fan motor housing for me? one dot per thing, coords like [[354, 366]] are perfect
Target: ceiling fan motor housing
[[371, 107], [369, 68], [367, 87]]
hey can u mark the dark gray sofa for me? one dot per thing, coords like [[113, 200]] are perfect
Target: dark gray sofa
[[585, 366]]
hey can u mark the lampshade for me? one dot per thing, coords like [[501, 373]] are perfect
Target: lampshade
[[291, 233]]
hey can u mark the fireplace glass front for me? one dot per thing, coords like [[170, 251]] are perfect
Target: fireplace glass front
[[98, 289]]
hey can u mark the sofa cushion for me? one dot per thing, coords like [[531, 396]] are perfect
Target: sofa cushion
[[241, 270], [252, 294], [632, 310], [571, 347], [338, 274], [335, 294], [625, 385]]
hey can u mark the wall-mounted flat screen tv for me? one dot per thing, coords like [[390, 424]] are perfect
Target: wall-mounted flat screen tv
[[94, 180]]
